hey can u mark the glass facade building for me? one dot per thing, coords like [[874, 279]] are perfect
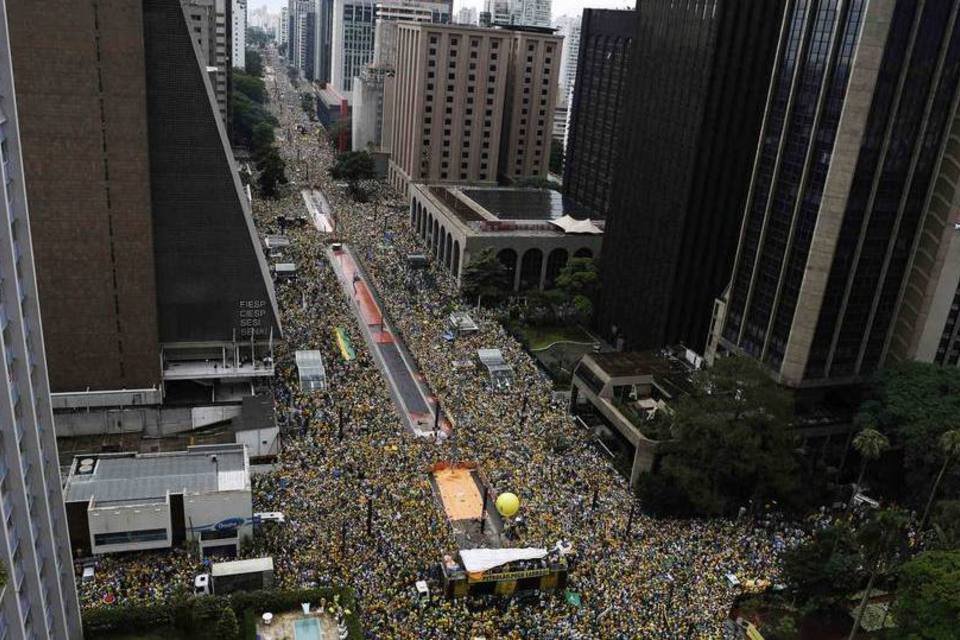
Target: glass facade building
[[854, 129], [696, 91], [599, 89]]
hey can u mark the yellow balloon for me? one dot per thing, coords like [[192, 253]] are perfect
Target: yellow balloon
[[508, 504]]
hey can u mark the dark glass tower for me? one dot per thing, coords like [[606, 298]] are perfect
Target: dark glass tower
[[853, 134], [606, 40], [697, 89]]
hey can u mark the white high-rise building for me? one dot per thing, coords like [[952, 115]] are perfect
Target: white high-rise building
[[528, 13], [531, 13], [239, 34], [569, 28], [39, 597], [283, 27], [467, 15], [352, 45]]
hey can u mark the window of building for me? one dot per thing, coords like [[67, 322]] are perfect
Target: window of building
[[126, 537]]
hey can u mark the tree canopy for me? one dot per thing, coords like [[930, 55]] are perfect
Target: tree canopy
[[824, 570], [251, 86], [258, 37], [253, 63], [731, 445], [485, 276], [914, 404], [928, 597], [353, 166]]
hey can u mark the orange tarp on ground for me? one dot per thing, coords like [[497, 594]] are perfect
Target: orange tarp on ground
[[459, 493]]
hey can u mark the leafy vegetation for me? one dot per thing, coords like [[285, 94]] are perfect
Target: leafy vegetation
[[198, 615], [731, 446], [928, 597], [914, 405], [253, 63], [258, 37], [556, 156], [484, 277]]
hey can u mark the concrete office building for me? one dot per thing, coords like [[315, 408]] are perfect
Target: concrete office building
[[39, 597], [415, 11], [210, 23], [696, 90], [844, 198], [533, 232], [239, 34], [596, 106], [373, 89], [135, 502], [467, 16], [472, 104], [519, 13], [154, 289]]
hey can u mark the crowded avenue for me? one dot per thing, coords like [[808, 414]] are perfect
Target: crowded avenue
[[348, 456]]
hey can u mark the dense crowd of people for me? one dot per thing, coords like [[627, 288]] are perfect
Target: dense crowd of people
[[347, 453]]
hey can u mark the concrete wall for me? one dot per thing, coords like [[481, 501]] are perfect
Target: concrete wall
[[129, 518]]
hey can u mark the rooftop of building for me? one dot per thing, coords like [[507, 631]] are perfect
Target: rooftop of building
[[498, 29], [135, 478], [672, 368], [509, 209]]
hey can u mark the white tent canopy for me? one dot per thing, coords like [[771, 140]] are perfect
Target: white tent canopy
[[313, 374], [571, 225], [478, 560]]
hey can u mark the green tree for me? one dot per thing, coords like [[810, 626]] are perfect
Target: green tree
[[870, 444], [353, 166], [253, 63], [556, 156], [246, 115], [250, 86], [731, 447], [824, 570], [950, 447], [258, 37], [946, 524], [262, 139], [227, 627], [914, 404], [927, 605], [271, 167], [484, 277], [576, 286], [309, 104], [879, 539]]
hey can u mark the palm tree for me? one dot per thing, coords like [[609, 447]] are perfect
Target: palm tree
[[950, 446], [869, 443]]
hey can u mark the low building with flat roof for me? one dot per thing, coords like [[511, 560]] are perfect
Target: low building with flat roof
[[618, 396], [132, 501], [534, 232]]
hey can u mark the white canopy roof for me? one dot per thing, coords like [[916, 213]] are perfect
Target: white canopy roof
[[572, 225], [477, 560]]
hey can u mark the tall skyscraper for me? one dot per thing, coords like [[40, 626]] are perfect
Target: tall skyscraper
[[596, 105], [698, 82], [39, 597], [525, 13], [323, 41], [472, 104], [862, 98], [283, 28], [158, 265], [304, 55], [569, 28], [467, 16], [239, 39], [352, 47]]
